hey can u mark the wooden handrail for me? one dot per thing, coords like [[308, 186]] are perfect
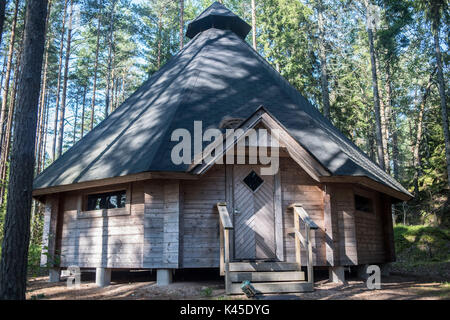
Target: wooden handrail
[[298, 209], [225, 226], [301, 214], [224, 215]]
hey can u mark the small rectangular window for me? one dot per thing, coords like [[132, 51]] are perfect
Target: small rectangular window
[[363, 204], [108, 200]]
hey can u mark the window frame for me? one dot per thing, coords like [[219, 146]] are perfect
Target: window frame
[[365, 196], [248, 187], [82, 211]]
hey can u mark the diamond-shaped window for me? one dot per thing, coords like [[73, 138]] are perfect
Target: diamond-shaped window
[[253, 181]]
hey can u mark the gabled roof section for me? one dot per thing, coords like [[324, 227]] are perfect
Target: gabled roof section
[[219, 17], [261, 116], [215, 77]]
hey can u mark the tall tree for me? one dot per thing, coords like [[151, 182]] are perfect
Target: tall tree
[[58, 85], [419, 131], [323, 60], [110, 57], [376, 97], [65, 79], [3, 112], [43, 94], [2, 17], [435, 9], [181, 24], [13, 265], [97, 49], [9, 123], [254, 24]]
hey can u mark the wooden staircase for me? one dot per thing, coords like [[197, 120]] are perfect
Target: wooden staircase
[[268, 277]]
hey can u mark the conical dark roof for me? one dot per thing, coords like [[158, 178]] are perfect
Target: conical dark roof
[[219, 17], [216, 76]]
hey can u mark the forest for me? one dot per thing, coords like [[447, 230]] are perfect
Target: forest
[[378, 69]]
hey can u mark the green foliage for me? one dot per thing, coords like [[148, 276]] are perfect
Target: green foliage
[[34, 260], [285, 31], [420, 247]]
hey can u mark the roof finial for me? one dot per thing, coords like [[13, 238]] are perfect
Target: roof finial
[[219, 17]]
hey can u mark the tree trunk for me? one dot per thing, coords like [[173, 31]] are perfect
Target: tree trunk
[[3, 112], [75, 119], [376, 97], [44, 154], [323, 62], [440, 74], [58, 85], [416, 147], [181, 24], [82, 112], [385, 133], [3, 70], [13, 265], [43, 133], [7, 141], [66, 76], [2, 17], [43, 93], [254, 24], [110, 51], [385, 118], [94, 85], [158, 61], [392, 123]]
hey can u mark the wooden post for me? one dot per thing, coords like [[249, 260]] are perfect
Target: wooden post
[[227, 261], [225, 227], [222, 249], [298, 252], [309, 257], [278, 208]]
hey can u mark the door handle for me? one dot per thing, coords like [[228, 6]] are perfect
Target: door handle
[[236, 211]]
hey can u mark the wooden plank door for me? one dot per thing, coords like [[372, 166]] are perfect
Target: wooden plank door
[[253, 214]]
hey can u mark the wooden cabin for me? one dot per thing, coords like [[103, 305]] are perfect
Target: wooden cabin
[[116, 199]]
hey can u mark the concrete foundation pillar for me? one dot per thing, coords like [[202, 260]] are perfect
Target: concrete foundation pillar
[[102, 277], [385, 269], [362, 271], [163, 277], [336, 274], [54, 275]]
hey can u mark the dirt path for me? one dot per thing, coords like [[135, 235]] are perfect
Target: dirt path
[[393, 287]]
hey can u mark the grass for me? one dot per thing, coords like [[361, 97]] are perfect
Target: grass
[[422, 249], [442, 291], [206, 292]]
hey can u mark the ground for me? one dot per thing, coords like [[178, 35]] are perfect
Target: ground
[[194, 286]]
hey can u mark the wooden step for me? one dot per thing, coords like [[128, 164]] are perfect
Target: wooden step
[[267, 276], [264, 266], [275, 287]]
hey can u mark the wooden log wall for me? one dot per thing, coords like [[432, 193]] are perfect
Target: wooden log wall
[[369, 230], [109, 240], [162, 224], [344, 235], [174, 223], [298, 187], [201, 243]]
